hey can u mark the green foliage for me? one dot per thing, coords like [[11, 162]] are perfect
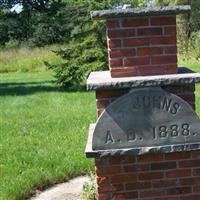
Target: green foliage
[[90, 188], [190, 51], [86, 50]]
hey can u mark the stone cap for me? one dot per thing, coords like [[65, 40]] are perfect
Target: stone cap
[[102, 80], [135, 12]]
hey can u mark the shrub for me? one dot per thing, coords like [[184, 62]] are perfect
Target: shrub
[[86, 50]]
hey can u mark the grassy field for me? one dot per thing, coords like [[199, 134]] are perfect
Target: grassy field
[[43, 133], [28, 59]]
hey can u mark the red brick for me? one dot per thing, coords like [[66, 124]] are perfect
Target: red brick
[[189, 88], [170, 30], [122, 53], [190, 181], [170, 50], [196, 189], [171, 69], [135, 22], [158, 21], [104, 197], [115, 62], [112, 23], [164, 165], [189, 163], [138, 185], [136, 168], [149, 51], [114, 43], [150, 70], [164, 183], [166, 198], [102, 162], [123, 178], [110, 93], [196, 154], [178, 173], [101, 104], [151, 193], [163, 40], [150, 157], [179, 190], [134, 42], [125, 195], [122, 160], [136, 61], [149, 31], [191, 197], [108, 170], [124, 72], [177, 155], [121, 33], [196, 172], [164, 59], [111, 188], [188, 97], [103, 180], [175, 90], [150, 176]]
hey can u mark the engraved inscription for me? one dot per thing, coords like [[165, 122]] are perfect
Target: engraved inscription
[[160, 102], [131, 136], [109, 138], [172, 131], [146, 117], [160, 132]]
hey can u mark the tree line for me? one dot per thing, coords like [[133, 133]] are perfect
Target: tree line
[[45, 22]]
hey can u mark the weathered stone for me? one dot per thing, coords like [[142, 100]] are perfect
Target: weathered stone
[[90, 153], [145, 119], [103, 80], [134, 12]]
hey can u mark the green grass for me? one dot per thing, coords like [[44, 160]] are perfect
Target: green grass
[[28, 59], [43, 133]]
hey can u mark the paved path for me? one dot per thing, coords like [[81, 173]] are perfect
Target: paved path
[[71, 190]]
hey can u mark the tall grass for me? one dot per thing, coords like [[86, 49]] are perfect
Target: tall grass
[[27, 59]]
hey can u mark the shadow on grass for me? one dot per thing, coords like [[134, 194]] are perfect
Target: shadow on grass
[[28, 88]]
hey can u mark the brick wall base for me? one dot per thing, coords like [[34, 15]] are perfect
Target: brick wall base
[[172, 176]]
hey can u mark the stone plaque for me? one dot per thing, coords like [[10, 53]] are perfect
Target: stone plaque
[[146, 117]]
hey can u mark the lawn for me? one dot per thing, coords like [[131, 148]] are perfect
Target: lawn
[[43, 133]]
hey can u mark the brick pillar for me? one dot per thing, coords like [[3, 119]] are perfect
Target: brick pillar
[[145, 45], [142, 45]]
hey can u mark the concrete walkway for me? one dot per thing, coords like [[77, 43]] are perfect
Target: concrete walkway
[[71, 190]]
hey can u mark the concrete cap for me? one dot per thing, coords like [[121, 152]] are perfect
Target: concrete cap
[[102, 80], [135, 12]]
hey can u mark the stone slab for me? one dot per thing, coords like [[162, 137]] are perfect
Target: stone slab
[[135, 12], [102, 80], [90, 153], [146, 117]]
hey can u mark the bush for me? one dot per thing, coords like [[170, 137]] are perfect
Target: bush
[[189, 49], [86, 50]]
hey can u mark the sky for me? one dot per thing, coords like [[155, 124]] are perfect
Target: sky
[[17, 8]]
